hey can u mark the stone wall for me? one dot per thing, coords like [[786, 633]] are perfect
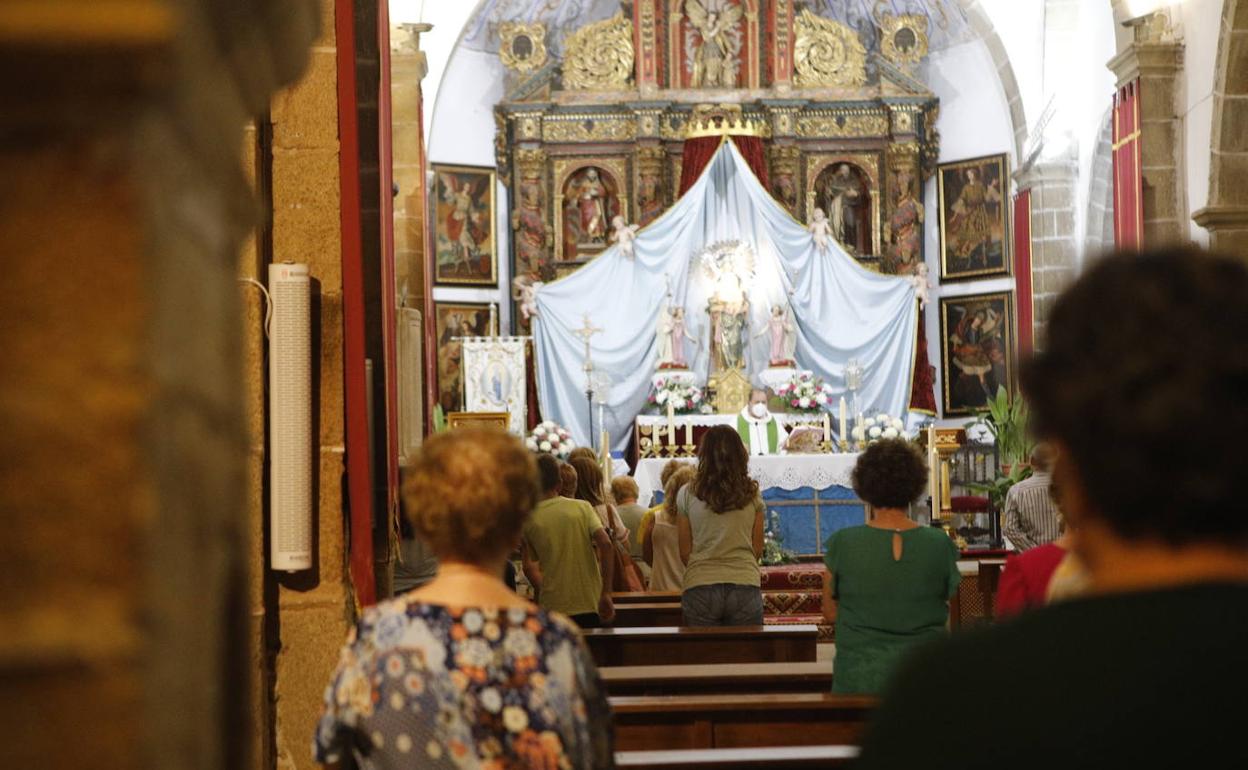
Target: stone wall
[[1226, 216], [1054, 247], [122, 467]]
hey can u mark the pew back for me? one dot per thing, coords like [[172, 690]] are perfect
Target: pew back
[[770, 758], [731, 644], [705, 679]]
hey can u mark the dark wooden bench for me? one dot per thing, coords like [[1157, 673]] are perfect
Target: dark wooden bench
[[731, 644], [769, 758], [704, 679], [639, 615], [664, 722], [646, 597]]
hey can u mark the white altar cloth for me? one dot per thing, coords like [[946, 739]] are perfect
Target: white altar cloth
[[770, 471]]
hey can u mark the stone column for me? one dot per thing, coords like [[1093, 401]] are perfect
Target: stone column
[[1156, 59], [1226, 215], [1053, 238]]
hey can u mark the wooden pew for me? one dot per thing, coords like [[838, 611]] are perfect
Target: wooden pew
[[646, 597], [705, 679], [769, 758], [651, 723], [731, 644], [639, 615]]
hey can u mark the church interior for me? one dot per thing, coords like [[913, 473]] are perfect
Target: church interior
[[323, 234]]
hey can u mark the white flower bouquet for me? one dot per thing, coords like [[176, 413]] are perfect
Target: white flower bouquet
[[805, 392], [873, 429], [551, 438], [684, 398]]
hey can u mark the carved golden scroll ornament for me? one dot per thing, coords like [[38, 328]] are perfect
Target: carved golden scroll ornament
[[599, 56], [827, 53]]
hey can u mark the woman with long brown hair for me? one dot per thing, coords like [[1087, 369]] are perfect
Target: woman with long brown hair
[[721, 536]]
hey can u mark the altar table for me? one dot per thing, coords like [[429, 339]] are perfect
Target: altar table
[[810, 493]]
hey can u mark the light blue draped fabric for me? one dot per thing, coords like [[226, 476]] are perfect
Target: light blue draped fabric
[[841, 309]]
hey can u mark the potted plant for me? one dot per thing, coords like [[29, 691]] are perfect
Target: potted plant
[[1006, 419]]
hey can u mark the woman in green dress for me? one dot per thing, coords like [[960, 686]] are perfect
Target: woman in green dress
[[888, 583]]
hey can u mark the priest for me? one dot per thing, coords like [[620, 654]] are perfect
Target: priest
[[759, 428]]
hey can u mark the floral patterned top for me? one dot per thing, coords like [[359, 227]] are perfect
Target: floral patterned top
[[421, 685]]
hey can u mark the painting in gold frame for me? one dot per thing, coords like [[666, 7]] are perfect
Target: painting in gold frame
[[500, 420], [977, 350], [974, 218], [453, 320], [464, 243]]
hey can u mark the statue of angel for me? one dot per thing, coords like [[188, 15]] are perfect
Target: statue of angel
[[782, 336], [820, 228], [670, 337], [918, 279], [524, 290], [714, 56], [624, 234]]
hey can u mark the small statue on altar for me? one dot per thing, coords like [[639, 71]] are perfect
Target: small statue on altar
[[671, 336], [624, 234], [524, 291], [760, 430], [782, 336], [820, 228], [729, 320]]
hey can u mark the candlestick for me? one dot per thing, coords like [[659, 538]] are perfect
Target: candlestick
[[671, 424], [931, 467], [493, 320], [827, 429], [858, 424], [844, 435]]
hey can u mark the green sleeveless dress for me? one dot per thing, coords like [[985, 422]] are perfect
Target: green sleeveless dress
[[886, 607]]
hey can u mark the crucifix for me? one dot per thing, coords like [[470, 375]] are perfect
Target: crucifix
[[586, 332]]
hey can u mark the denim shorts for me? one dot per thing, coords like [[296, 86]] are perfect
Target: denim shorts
[[722, 604]]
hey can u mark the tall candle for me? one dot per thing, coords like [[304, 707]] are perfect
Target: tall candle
[[931, 466], [858, 424], [671, 424], [689, 433], [946, 502], [826, 429], [493, 320], [844, 435]]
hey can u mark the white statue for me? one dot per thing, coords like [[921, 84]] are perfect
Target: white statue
[[820, 228], [918, 279], [624, 234], [524, 290], [670, 338], [782, 337]]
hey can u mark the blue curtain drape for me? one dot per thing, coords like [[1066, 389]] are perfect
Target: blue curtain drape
[[841, 309]]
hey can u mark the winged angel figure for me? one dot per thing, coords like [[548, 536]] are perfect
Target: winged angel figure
[[713, 48]]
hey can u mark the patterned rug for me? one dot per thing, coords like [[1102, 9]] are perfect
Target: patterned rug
[[793, 595]]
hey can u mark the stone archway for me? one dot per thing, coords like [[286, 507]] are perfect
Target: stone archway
[[1226, 215], [982, 24], [1099, 220]]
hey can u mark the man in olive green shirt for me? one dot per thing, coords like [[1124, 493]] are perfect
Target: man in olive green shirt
[[560, 541]]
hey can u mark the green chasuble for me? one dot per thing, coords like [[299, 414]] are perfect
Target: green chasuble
[[773, 434]]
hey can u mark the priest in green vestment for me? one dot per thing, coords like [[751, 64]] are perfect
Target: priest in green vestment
[[759, 428]]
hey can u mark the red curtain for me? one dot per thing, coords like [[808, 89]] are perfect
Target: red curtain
[[1022, 269], [1128, 181], [923, 384], [699, 151]]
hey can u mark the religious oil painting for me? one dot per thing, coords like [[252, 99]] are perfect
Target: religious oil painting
[[464, 242], [977, 350], [974, 225], [452, 322]]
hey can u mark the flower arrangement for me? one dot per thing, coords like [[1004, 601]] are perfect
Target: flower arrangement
[[805, 392], [684, 398], [552, 438], [872, 429], [774, 551]]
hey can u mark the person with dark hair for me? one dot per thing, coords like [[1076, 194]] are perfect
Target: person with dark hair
[[591, 488], [566, 553], [1142, 388], [720, 528], [462, 671], [888, 583]]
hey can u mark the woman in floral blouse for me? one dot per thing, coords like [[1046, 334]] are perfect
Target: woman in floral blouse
[[462, 672]]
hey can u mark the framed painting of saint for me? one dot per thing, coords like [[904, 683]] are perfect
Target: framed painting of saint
[[451, 322], [977, 351], [463, 235], [974, 218]]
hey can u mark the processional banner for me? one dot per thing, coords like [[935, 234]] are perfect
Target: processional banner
[[494, 377]]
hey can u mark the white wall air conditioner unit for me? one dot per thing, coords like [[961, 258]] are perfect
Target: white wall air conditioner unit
[[411, 376], [290, 418]]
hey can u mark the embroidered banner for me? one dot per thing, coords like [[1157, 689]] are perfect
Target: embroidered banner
[[494, 377], [1128, 180]]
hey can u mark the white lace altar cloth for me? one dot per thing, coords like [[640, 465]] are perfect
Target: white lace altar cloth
[[770, 471]]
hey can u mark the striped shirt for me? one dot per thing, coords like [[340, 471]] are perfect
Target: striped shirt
[[1030, 514]]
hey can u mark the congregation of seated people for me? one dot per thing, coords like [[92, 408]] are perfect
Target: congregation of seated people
[[1120, 622]]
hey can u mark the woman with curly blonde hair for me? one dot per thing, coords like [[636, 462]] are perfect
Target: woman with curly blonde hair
[[720, 520]]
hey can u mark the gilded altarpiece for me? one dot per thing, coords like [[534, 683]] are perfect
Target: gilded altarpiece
[[846, 127]]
